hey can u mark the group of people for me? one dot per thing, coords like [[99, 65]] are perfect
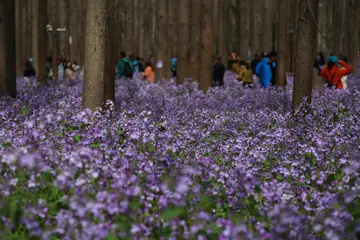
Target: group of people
[[127, 66], [67, 67]]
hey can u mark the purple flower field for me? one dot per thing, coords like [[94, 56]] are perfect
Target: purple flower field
[[170, 162]]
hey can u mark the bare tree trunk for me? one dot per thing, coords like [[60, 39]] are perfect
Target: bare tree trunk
[[28, 30], [294, 16], [109, 83], [129, 26], [142, 20], [153, 26], [183, 32], [356, 43], [244, 28], [82, 32], [19, 64], [147, 28], [135, 27], [54, 35], [234, 24], [282, 42], [95, 53], [267, 26], [162, 40], [23, 25], [257, 18], [194, 40], [223, 36], [63, 39], [306, 46], [7, 45], [216, 27], [336, 21], [321, 43], [206, 45], [39, 37], [173, 15]]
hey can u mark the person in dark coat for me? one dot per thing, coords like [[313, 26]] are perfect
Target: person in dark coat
[[272, 64], [29, 70], [218, 72], [254, 62]]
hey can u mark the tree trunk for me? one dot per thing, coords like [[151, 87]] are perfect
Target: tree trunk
[[8, 47], [162, 40], [294, 18], [54, 35], [206, 45], [129, 26], [244, 28], [223, 36], [63, 40], [28, 30], [147, 28], [336, 22], [23, 25], [69, 29], [82, 32], [282, 42], [39, 37], [142, 20], [19, 64], [256, 16], [216, 27], [321, 43], [135, 27], [267, 26], [173, 15], [306, 46], [109, 84], [183, 32], [356, 43], [95, 53]]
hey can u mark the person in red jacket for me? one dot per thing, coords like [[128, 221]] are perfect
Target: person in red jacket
[[333, 74]]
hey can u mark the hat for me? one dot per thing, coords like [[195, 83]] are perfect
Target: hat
[[333, 59]]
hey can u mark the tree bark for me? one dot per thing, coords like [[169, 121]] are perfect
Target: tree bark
[[282, 42], [109, 84], [28, 30], [223, 36], [63, 40], [95, 53], [321, 40], [8, 48], [23, 25], [257, 18], [244, 28], [336, 22], [19, 64], [70, 30], [216, 28], [135, 27], [39, 38], [54, 36], [129, 26], [356, 43], [267, 26], [183, 32], [306, 46], [206, 45], [162, 40], [142, 21]]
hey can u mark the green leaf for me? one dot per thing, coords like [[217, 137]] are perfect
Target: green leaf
[[172, 213], [76, 138], [330, 179], [95, 145]]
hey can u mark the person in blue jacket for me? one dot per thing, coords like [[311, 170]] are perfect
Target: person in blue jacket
[[263, 71]]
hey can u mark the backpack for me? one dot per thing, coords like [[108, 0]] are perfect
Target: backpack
[[128, 71]]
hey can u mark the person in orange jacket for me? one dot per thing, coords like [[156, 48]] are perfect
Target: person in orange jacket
[[333, 74]]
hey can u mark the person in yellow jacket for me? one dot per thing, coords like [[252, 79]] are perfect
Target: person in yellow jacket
[[246, 74], [235, 67]]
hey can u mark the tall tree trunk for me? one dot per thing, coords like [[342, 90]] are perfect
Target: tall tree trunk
[[82, 32], [206, 45], [129, 26], [23, 25], [55, 36], [135, 27], [28, 30], [109, 83], [257, 24], [267, 26], [39, 37], [321, 43], [8, 47], [294, 19], [356, 42], [173, 15], [147, 28], [336, 26], [63, 40], [162, 40], [19, 64], [193, 52], [223, 36], [183, 31], [306, 46], [142, 20], [95, 53], [216, 27], [244, 28], [282, 42]]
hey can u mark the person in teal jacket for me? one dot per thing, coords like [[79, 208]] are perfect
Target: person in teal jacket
[[121, 65], [263, 71]]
